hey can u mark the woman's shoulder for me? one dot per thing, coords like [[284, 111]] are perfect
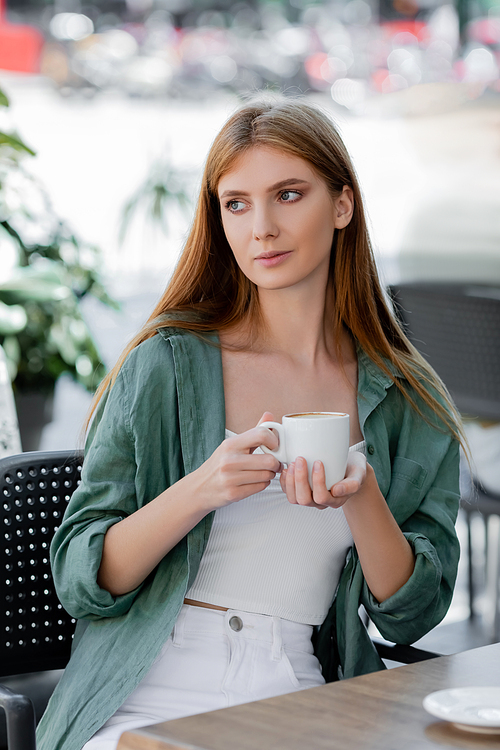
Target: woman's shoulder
[[157, 348], [148, 357], [389, 375], [170, 351]]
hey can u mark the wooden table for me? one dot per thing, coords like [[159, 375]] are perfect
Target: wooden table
[[380, 711]]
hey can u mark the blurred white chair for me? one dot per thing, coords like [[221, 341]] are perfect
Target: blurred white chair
[[10, 438]]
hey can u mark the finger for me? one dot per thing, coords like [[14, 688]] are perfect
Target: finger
[[241, 472], [346, 488], [303, 491], [320, 494], [251, 439], [255, 477], [354, 478], [283, 478], [268, 416], [268, 438], [252, 462], [236, 478], [356, 460], [290, 484]]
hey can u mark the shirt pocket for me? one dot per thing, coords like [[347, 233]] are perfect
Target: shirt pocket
[[406, 491]]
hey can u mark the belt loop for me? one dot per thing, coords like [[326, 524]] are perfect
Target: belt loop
[[277, 648]]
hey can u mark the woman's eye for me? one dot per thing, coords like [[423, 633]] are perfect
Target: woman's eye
[[289, 196], [235, 206]]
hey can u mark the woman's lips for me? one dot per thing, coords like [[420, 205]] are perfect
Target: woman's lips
[[272, 259]]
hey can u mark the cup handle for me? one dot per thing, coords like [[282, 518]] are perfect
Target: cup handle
[[280, 452]]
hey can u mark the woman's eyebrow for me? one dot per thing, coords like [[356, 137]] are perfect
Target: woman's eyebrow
[[284, 183], [276, 186]]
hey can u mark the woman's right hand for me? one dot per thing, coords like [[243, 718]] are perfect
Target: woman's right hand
[[234, 471], [133, 547]]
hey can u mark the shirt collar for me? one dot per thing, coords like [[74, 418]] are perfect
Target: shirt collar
[[373, 384]]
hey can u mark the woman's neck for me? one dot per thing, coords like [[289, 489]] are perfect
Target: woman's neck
[[293, 323]]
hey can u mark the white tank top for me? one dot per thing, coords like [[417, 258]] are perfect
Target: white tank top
[[268, 556]]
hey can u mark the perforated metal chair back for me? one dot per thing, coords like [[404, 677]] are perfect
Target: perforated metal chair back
[[457, 328], [35, 631]]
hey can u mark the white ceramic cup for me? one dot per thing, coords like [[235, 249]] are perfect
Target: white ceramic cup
[[316, 436]]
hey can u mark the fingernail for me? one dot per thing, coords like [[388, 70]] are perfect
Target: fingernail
[[340, 490], [317, 466], [291, 469]]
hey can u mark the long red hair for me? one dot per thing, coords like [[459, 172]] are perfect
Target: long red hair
[[209, 292]]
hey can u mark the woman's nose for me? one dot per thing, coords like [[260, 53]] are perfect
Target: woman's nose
[[264, 225]]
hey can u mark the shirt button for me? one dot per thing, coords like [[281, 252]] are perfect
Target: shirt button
[[236, 623], [371, 450]]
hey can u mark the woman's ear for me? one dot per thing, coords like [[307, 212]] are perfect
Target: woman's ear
[[344, 208]]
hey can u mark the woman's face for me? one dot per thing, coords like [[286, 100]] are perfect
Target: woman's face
[[279, 218]]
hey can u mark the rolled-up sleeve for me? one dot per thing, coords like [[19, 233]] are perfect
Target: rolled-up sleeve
[[106, 495], [423, 600]]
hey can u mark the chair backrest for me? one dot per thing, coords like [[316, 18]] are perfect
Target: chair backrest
[[35, 631], [457, 329]]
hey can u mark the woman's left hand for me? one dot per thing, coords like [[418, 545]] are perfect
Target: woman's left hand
[[386, 557], [295, 483]]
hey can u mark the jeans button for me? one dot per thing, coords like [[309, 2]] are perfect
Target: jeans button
[[236, 623]]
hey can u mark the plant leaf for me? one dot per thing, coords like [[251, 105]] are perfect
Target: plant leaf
[[15, 143], [4, 102], [28, 284], [13, 319]]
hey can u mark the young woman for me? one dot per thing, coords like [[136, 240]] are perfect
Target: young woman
[[202, 572]]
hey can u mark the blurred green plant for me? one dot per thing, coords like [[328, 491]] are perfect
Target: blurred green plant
[[42, 330], [165, 187]]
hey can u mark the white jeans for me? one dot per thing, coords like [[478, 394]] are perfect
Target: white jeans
[[212, 660]]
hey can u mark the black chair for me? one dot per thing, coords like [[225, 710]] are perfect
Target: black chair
[[36, 632], [457, 328]]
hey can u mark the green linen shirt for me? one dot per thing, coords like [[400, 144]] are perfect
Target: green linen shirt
[[162, 419]]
